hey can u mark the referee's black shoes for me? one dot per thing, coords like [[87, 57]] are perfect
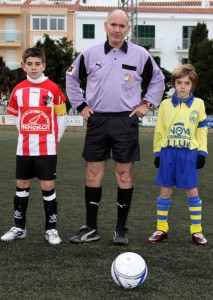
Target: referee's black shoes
[[120, 237], [85, 234]]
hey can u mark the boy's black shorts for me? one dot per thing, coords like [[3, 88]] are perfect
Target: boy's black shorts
[[114, 133], [42, 167]]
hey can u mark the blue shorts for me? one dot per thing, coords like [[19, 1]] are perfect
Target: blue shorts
[[112, 133], [178, 167]]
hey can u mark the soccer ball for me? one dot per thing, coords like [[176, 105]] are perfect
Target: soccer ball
[[129, 270]]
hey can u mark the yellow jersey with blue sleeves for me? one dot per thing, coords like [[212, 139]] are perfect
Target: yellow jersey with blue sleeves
[[181, 124]]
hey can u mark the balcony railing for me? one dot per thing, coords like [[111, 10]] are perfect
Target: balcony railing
[[186, 43], [13, 65], [183, 44], [150, 42], [10, 36]]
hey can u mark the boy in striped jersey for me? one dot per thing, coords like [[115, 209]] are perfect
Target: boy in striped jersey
[[39, 108], [180, 147]]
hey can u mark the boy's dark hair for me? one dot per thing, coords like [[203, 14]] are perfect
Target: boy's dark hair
[[183, 71], [33, 52]]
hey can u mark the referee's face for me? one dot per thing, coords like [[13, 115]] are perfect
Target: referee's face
[[117, 26]]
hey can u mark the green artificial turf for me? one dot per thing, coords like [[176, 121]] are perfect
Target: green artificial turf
[[33, 269]]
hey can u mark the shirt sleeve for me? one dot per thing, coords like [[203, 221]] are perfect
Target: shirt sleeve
[[74, 75], [154, 81], [59, 97], [12, 108], [62, 124], [202, 132], [61, 112], [159, 131], [60, 109]]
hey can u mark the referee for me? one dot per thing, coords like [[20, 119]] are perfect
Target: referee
[[114, 71]]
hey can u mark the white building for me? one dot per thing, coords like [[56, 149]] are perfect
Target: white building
[[166, 25]]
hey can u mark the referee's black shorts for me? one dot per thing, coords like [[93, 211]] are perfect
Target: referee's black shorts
[[42, 167], [112, 133]]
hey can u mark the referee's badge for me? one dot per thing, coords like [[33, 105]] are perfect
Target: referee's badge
[[71, 70], [128, 77]]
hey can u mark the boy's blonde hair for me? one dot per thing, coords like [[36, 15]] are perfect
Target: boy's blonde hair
[[183, 71]]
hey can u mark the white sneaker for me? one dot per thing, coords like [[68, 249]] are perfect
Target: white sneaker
[[52, 236], [14, 233]]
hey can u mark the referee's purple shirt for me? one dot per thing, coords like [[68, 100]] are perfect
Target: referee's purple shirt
[[114, 78]]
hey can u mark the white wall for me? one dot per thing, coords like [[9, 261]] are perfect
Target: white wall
[[89, 18], [168, 32]]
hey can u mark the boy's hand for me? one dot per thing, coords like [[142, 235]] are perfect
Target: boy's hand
[[157, 162], [201, 159]]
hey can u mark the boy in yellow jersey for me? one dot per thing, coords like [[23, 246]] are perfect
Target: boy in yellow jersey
[[180, 147]]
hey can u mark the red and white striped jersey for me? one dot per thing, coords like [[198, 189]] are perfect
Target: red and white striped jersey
[[33, 105]]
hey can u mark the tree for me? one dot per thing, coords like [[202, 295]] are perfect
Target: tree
[[4, 78], [59, 56], [201, 57], [8, 80], [15, 77], [199, 33]]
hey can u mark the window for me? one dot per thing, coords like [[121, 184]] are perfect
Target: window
[[11, 60], [88, 31], [185, 61], [146, 35], [187, 31], [10, 34], [48, 22]]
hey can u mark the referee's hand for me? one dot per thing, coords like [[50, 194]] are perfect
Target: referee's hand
[[140, 111], [86, 112]]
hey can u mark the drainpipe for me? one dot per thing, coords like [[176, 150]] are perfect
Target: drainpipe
[[25, 29]]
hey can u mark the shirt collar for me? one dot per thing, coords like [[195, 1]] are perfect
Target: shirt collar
[[107, 47], [41, 79], [176, 100]]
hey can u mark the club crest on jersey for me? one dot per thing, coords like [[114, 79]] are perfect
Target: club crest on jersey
[[47, 99], [71, 70], [193, 116], [35, 121]]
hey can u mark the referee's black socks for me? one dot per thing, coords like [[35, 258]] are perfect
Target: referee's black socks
[[92, 200], [124, 199]]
